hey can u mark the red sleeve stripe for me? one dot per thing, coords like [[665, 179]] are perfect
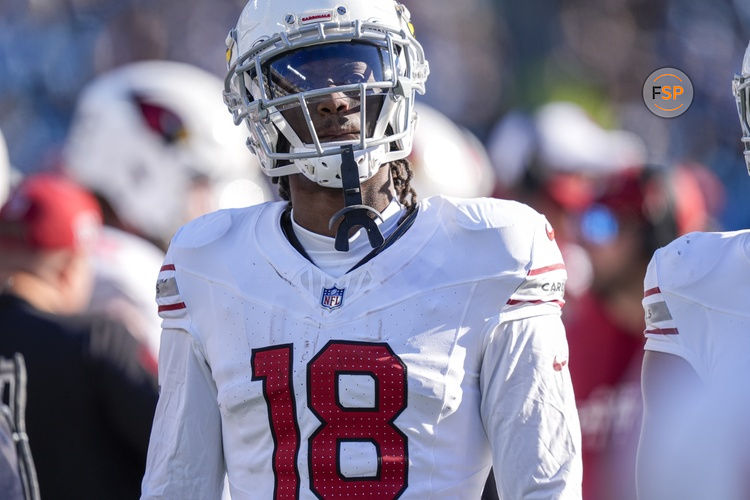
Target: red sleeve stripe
[[662, 331], [172, 307], [651, 291], [168, 267], [513, 302], [547, 269]]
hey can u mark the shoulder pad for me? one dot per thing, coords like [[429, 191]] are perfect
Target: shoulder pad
[[706, 268], [203, 230], [690, 259], [489, 213]]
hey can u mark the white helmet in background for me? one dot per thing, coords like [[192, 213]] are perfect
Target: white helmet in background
[[154, 139], [448, 159], [741, 89], [287, 58], [4, 170]]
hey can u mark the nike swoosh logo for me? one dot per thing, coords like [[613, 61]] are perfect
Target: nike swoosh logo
[[558, 365]]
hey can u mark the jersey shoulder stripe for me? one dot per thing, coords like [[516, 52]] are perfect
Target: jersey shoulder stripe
[[168, 297], [658, 318]]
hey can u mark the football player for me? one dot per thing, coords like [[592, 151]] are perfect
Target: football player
[[351, 342], [695, 440]]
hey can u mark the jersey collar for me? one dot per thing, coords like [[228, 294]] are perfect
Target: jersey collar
[[289, 263]]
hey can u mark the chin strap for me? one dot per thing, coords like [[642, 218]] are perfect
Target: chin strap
[[355, 214]]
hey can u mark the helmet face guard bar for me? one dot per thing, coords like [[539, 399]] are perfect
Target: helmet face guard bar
[[741, 90], [399, 79]]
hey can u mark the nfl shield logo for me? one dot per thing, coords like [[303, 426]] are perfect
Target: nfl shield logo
[[333, 298]]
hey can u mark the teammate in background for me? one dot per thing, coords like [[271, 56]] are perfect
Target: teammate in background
[[351, 341], [153, 141], [90, 397], [695, 441]]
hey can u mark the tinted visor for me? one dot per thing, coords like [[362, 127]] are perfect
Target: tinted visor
[[335, 116], [322, 66]]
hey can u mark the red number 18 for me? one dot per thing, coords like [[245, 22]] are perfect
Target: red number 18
[[339, 424]]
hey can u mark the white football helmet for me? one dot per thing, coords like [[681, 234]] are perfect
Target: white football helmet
[[154, 139], [741, 89], [290, 61], [4, 170], [448, 159]]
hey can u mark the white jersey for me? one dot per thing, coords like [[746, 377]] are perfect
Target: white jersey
[[697, 305], [407, 377]]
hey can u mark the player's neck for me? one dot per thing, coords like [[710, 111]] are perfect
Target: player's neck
[[314, 205]]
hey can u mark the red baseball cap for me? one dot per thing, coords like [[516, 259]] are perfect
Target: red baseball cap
[[49, 212]]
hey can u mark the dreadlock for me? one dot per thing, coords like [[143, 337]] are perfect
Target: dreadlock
[[401, 173], [283, 183]]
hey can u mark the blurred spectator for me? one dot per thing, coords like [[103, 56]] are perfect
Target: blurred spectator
[[91, 388], [638, 211], [154, 142]]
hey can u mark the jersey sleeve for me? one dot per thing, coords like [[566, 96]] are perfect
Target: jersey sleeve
[[528, 410], [185, 453], [543, 287], [528, 407], [662, 333]]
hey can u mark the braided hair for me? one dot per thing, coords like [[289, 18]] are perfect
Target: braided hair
[[401, 173]]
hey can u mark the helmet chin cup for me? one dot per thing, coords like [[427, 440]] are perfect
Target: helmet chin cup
[[327, 171], [355, 214]]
